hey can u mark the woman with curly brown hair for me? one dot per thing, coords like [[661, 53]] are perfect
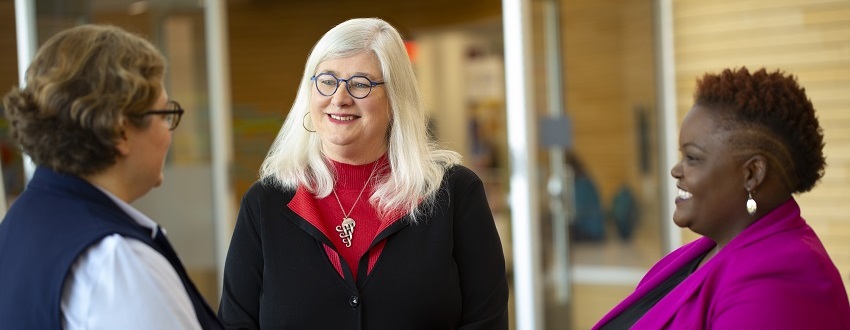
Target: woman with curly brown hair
[[74, 254], [749, 143]]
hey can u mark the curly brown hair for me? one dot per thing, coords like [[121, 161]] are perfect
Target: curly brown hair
[[83, 83], [771, 114]]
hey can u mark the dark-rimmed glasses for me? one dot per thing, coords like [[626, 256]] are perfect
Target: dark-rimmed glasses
[[358, 87], [171, 116]]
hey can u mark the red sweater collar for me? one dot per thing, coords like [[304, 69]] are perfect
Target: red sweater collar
[[353, 177]]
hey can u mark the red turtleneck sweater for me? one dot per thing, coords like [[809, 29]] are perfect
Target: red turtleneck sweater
[[326, 214]]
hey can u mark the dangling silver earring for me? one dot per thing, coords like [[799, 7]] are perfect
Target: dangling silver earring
[[304, 123], [751, 203]]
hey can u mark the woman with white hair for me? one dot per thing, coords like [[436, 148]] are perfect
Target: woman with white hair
[[359, 221]]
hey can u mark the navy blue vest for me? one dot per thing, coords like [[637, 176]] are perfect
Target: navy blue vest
[[55, 220]]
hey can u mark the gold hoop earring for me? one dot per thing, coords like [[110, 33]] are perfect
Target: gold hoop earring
[[751, 203], [304, 123]]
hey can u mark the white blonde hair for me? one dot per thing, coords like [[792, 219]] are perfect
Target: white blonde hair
[[417, 164]]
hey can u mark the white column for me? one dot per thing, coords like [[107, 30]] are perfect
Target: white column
[[560, 184], [522, 148], [27, 43], [668, 137], [221, 141]]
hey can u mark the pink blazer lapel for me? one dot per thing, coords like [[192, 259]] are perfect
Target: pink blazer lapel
[[782, 218], [665, 310], [658, 273]]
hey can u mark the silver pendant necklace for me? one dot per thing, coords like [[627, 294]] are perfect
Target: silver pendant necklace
[[346, 229]]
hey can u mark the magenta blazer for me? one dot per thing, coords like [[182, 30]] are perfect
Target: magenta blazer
[[773, 275]]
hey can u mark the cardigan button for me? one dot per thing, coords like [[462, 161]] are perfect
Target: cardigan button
[[354, 301]]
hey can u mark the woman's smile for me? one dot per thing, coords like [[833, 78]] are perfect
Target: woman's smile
[[343, 118]]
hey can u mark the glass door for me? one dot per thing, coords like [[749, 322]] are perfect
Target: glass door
[[594, 96]]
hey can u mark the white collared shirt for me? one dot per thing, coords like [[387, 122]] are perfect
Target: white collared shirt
[[122, 283]]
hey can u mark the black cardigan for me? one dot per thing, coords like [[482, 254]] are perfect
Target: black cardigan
[[446, 272]]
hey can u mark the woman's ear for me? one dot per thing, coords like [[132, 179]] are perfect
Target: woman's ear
[[122, 144], [755, 170]]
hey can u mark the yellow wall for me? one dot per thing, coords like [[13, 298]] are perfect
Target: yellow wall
[[810, 39]]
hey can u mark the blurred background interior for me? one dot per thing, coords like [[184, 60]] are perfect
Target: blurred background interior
[[606, 84]]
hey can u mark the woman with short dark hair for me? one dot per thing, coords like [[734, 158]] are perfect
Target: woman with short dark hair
[[749, 143]]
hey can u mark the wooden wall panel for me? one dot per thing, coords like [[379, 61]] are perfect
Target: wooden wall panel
[[808, 38], [8, 42]]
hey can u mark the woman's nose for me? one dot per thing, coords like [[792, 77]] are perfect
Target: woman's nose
[[342, 98], [676, 171]]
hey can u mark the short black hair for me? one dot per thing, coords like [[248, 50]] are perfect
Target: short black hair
[[776, 116]]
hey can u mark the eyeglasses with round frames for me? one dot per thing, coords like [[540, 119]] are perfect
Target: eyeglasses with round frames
[[171, 116], [359, 87]]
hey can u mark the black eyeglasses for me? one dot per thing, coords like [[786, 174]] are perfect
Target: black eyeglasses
[[358, 87], [171, 116]]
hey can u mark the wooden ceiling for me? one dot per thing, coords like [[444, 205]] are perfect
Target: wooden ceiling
[[411, 14]]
